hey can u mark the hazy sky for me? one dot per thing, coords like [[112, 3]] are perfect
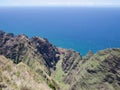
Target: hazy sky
[[59, 2]]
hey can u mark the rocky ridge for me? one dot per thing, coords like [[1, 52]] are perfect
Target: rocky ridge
[[63, 69], [40, 55]]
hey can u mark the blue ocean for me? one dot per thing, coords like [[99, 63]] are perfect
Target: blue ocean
[[78, 28]]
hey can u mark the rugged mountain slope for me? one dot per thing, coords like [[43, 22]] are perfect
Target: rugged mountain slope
[[100, 72], [68, 61], [19, 47], [37, 53], [19, 77], [58, 68]]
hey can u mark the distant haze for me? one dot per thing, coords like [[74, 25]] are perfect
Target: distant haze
[[115, 3]]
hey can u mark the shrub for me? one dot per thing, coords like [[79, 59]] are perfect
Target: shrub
[[52, 86]]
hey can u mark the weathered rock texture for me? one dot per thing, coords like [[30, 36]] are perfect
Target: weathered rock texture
[[59, 68]]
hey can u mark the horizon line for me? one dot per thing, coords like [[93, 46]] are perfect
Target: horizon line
[[67, 4]]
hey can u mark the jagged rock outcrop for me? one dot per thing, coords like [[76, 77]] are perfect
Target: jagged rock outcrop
[[70, 59], [60, 68], [100, 72], [21, 48], [46, 49], [40, 55]]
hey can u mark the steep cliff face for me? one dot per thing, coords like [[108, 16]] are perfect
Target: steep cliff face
[[59, 68], [40, 55], [69, 59], [100, 72], [21, 48], [47, 50]]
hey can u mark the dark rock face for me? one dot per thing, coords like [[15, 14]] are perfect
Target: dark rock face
[[16, 47], [46, 49], [40, 55], [13, 47], [70, 60], [100, 71]]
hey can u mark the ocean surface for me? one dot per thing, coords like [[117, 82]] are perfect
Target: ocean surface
[[79, 28]]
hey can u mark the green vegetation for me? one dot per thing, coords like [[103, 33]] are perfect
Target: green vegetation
[[18, 74], [59, 75], [59, 72], [52, 86], [39, 65]]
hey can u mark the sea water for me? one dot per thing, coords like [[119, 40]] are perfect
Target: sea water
[[78, 28]]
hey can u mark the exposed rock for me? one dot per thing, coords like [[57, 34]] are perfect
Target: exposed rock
[[59, 68], [70, 60], [37, 53], [89, 55], [100, 72], [17, 48], [46, 49]]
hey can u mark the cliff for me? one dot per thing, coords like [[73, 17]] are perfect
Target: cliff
[[37, 53], [57, 68]]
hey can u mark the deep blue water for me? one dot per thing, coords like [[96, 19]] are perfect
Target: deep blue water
[[79, 28]]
